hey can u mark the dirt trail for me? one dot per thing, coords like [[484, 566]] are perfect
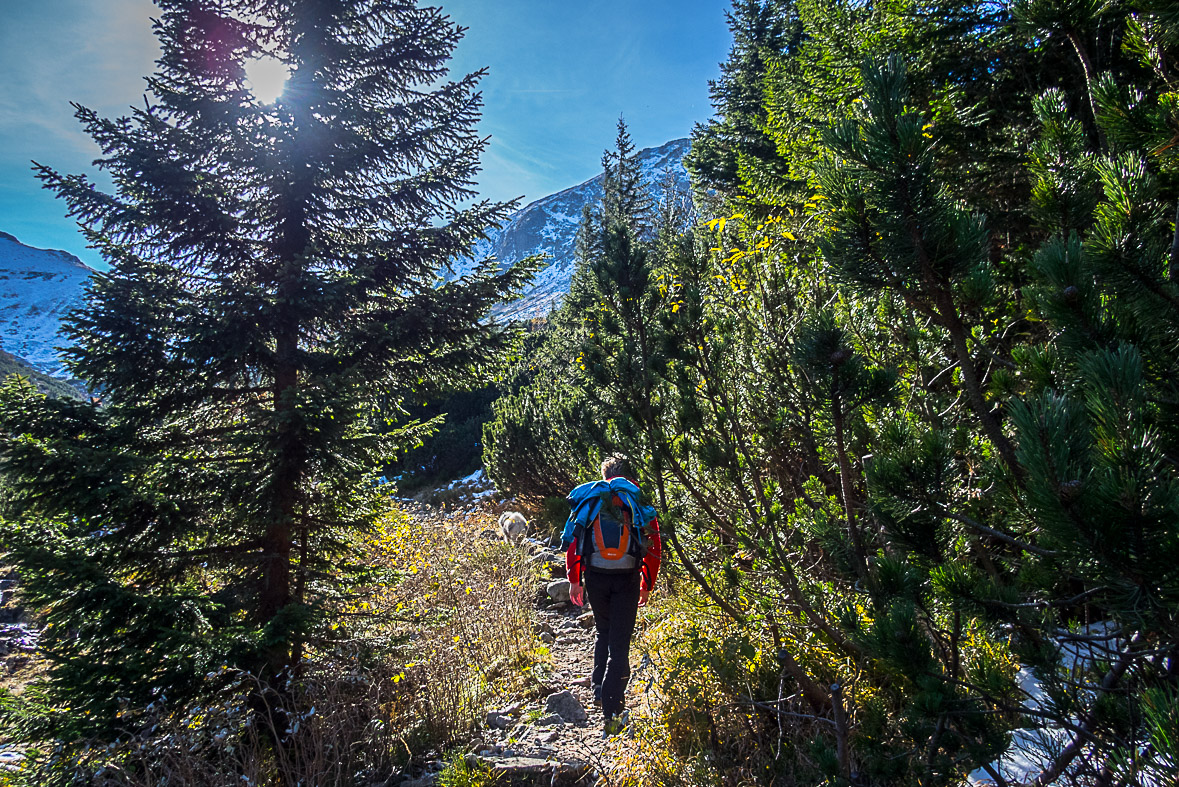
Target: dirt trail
[[525, 739]]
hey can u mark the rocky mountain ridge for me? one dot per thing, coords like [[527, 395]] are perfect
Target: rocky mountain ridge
[[549, 226]]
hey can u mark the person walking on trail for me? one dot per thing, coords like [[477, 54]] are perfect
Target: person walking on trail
[[612, 550]]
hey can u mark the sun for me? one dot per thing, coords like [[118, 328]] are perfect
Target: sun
[[267, 77]]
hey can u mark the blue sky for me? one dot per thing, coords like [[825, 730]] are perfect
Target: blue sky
[[561, 74]]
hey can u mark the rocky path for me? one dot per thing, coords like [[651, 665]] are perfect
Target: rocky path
[[559, 738], [561, 735]]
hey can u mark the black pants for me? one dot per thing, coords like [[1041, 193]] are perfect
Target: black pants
[[615, 602]]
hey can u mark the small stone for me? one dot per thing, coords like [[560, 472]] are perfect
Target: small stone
[[550, 720], [547, 638], [586, 682], [586, 620], [549, 738], [564, 704], [558, 590], [498, 721]]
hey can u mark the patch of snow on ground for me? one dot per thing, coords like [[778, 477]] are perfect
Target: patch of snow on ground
[[10, 758], [1033, 750]]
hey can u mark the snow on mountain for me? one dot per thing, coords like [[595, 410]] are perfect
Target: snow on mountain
[[549, 226], [37, 288]]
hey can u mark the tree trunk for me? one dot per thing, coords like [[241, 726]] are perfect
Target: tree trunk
[[970, 380], [1090, 78], [845, 483]]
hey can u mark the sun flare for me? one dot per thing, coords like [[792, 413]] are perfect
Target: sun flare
[[267, 77]]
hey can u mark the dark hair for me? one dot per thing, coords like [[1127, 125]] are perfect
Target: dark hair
[[618, 465]]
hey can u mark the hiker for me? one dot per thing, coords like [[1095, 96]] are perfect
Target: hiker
[[612, 551]]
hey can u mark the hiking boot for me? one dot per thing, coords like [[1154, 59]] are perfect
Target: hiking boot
[[597, 687], [615, 724]]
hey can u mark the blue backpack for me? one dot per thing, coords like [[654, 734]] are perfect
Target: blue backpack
[[607, 522]]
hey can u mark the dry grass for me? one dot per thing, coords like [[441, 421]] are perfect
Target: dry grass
[[467, 602], [336, 728]]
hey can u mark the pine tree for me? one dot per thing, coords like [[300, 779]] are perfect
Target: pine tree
[[625, 199], [616, 303], [1097, 427], [625, 196], [764, 32], [536, 442], [274, 273]]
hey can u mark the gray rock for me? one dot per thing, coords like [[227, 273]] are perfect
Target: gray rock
[[558, 590], [547, 638], [551, 720], [586, 620], [533, 770], [498, 721], [564, 704]]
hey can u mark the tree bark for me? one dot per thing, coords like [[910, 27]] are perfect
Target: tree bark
[[845, 484], [970, 380]]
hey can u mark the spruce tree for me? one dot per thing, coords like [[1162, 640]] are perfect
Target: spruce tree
[[273, 275], [616, 303], [764, 32]]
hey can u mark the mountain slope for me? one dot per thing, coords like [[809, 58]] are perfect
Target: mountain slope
[[38, 288], [549, 226], [10, 364]]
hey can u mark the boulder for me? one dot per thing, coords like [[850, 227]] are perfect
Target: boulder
[[498, 721], [568, 707], [533, 770], [558, 590]]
